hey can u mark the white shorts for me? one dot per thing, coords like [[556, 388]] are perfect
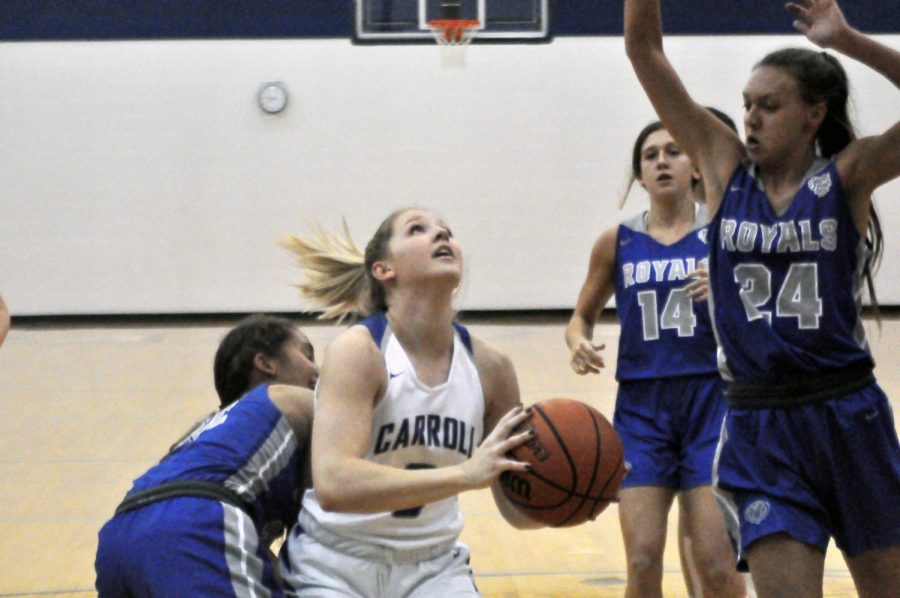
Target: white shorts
[[313, 569]]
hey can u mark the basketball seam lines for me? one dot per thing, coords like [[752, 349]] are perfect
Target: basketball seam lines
[[572, 492], [560, 487]]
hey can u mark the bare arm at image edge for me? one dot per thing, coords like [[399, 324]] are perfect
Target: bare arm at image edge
[[5, 321]]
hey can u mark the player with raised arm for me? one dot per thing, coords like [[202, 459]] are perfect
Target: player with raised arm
[[809, 450]]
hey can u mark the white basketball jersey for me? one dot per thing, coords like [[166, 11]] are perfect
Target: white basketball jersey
[[414, 427]]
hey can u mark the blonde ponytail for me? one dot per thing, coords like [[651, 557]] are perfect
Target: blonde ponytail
[[334, 269]]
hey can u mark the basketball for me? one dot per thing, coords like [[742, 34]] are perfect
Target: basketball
[[576, 464]]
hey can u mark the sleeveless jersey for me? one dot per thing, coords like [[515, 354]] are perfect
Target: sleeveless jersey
[[248, 447], [414, 427], [663, 332], [786, 289]]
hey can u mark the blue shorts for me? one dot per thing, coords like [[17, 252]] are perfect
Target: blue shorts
[[669, 430], [183, 547], [828, 469]]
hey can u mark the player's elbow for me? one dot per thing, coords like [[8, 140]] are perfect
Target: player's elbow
[[642, 43], [331, 497], [639, 51], [329, 500], [512, 515], [333, 491], [524, 523]]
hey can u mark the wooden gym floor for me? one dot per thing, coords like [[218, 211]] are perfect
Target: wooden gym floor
[[86, 407]]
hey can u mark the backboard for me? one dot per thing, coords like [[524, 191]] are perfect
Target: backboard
[[398, 21]]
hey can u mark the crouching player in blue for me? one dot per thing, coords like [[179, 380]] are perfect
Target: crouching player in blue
[[809, 448], [200, 522]]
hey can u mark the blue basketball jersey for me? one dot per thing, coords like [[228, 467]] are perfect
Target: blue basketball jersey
[[248, 447], [786, 289], [663, 332], [181, 543]]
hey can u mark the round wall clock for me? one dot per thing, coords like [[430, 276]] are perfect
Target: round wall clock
[[272, 97]]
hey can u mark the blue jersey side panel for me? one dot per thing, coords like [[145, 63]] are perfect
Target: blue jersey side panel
[[664, 333], [250, 448], [786, 288]]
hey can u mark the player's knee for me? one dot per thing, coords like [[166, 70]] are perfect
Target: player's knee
[[645, 559], [717, 579], [717, 572]]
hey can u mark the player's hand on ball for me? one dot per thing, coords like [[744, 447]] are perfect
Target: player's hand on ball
[[490, 459], [576, 461]]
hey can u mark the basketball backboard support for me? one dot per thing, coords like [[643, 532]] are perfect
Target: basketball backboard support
[[399, 21]]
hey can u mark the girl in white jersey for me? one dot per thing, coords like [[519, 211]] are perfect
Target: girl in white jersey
[[410, 411], [809, 450]]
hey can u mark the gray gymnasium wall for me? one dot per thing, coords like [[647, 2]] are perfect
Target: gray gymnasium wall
[[141, 177]]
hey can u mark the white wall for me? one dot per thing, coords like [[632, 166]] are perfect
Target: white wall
[[140, 177]]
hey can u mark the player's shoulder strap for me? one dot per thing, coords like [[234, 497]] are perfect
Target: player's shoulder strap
[[637, 223], [378, 327], [464, 336], [701, 216], [380, 330]]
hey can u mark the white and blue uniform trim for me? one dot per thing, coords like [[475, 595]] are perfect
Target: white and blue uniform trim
[[669, 403], [664, 332], [808, 447], [414, 551], [786, 288], [414, 426]]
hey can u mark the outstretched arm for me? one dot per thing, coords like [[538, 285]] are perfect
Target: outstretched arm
[[823, 23], [867, 163], [714, 147]]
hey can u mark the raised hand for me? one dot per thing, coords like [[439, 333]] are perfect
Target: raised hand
[[821, 21], [586, 358]]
